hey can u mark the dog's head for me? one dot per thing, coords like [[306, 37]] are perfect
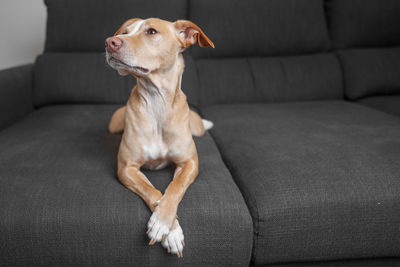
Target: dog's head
[[140, 46]]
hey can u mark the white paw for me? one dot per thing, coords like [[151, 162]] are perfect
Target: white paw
[[174, 241], [156, 229], [207, 124]]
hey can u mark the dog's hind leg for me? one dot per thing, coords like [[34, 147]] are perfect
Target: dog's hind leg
[[198, 126], [117, 122]]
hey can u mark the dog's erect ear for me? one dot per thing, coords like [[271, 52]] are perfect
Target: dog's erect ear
[[126, 24], [189, 33]]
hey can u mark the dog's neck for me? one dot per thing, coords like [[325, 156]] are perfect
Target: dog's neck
[[161, 87]]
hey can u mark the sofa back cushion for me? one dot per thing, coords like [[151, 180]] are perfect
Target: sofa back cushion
[[62, 78], [364, 23], [242, 28], [266, 51], [73, 67], [366, 34], [78, 78], [269, 79], [83, 25], [369, 72]]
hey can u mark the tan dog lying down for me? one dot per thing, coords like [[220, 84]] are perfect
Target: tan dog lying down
[[157, 123]]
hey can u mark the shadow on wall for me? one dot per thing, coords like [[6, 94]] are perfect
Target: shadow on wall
[[22, 27]]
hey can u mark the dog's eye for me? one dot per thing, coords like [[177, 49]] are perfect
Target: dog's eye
[[125, 31], [151, 31]]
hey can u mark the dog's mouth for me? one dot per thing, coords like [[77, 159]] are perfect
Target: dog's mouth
[[129, 67]]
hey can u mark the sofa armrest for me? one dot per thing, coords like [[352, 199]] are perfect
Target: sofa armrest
[[15, 94]]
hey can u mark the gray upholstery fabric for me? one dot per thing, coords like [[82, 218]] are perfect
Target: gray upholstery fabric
[[65, 78], [190, 80], [62, 78], [269, 79], [364, 22], [389, 104], [371, 71], [15, 94], [321, 179], [62, 205], [75, 25], [260, 28], [380, 262]]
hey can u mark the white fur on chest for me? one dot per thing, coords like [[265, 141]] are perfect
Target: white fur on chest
[[154, 150], [155, 154], [155, 115], [153, 146]]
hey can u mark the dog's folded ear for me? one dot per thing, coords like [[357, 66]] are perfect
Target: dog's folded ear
[[126, 24], [189, 33]]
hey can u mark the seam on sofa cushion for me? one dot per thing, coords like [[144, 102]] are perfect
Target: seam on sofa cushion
[[255, 223]]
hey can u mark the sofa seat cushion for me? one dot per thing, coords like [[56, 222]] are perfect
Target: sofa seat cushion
[[62, 204], [321, 179], [375, 262], [389, 104]]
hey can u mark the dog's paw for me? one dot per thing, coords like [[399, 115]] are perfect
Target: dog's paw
[[174, 241], [157, 229]]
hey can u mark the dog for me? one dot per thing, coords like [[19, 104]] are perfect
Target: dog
[[156, 122]]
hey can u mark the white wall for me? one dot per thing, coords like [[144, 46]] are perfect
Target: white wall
[[22, 31]]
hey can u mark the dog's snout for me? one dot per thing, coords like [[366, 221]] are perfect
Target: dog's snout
[[113, 44]]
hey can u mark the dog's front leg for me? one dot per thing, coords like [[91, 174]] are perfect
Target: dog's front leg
[[136, 181], [165, 212]]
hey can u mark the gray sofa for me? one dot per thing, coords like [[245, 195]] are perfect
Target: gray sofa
[[302, 167]]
